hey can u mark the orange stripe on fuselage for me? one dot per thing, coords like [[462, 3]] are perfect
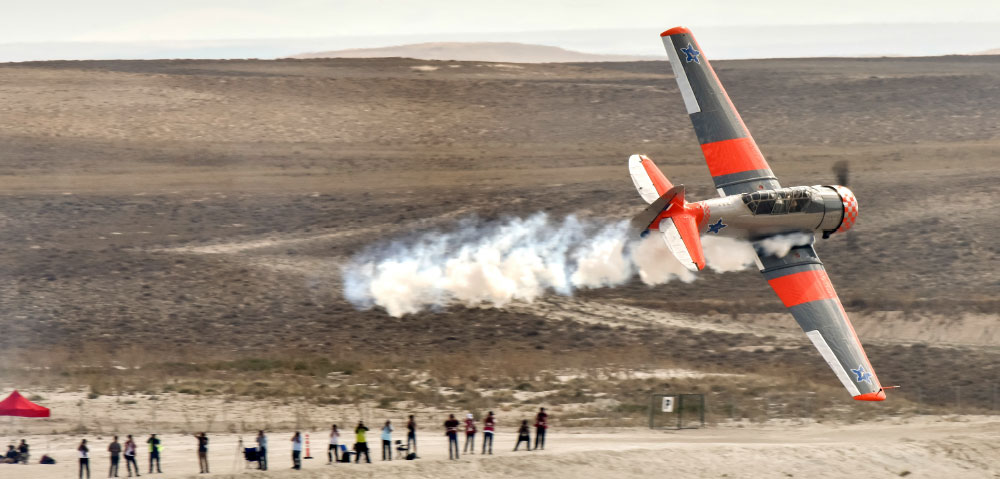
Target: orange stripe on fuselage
[[803, 287], [733, 156]]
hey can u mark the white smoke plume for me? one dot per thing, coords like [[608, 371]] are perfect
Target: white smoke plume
[[780, 245], [520, 259]]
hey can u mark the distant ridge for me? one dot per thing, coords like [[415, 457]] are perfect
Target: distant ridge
[[477, 51], [995, 51]]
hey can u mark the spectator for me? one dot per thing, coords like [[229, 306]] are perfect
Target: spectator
[[387, 441], [361, 443], [22, 450], [154, 453], [12, 456], [114, 449], [489, 424], [524, 435], [541, 424], [411, 435], [297, 451], [470, 435], [451, 430], [261, 451], [333, 450], [130, 457], [203, 452], [84, 454]]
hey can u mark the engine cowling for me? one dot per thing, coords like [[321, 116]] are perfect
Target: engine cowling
[[848, 206]]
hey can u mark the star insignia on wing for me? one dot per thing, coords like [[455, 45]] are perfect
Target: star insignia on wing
[[863, 376], [690, 54], [716, 227]]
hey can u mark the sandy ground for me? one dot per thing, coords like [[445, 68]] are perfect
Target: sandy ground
[[956, 447]]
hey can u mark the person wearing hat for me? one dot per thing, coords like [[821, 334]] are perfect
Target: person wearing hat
[[470, 435]]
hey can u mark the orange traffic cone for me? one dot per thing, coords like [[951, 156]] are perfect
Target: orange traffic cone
[[308, 454]]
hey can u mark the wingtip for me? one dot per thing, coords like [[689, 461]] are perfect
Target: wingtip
[[675, 31], [873, 396]]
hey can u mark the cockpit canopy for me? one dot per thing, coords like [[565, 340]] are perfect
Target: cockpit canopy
[[798, 199]]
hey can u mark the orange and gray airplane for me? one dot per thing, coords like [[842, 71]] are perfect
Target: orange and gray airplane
[[753, 206]]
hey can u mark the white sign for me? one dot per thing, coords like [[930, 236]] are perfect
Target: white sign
[[668, 404]]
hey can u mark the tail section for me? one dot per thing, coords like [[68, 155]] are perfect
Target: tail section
[[648, 179], [668, 212]]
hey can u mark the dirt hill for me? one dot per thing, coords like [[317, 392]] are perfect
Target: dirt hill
[[477, 51]]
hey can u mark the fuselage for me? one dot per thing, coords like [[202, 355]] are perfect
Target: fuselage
[[751, 216]]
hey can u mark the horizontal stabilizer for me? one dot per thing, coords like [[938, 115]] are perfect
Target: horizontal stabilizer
[[648, 179], [680, 232]]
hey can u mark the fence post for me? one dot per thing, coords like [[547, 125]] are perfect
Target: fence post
[[702, 410], [994, 398], [652, 409]]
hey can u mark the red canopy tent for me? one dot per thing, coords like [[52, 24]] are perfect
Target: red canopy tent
[[17, 405]]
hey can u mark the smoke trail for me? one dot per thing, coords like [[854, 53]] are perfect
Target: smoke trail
[[521, 259], [780, 245]]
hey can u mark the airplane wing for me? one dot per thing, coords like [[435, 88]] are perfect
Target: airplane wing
[[735, 162], [801, 282]]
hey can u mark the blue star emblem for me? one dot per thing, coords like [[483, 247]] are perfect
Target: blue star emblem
[[863, 376], [716, 227], [691, 55]]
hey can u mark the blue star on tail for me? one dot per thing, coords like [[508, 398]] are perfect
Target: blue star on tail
[[691, 55], [863, 375], [716, 227]]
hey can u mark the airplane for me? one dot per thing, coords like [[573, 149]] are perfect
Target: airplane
[[753, 206]]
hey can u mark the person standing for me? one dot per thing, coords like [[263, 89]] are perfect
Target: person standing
[[411, 435], [523, 435], [470, 434], [451, 430], [22, 452], [203, 452], [84, 453], [541, 424], [333, 450], [361, 443], [154, 453], [297, 451], [261, 451], [130, 457], [114, 449], [387, 441], [489, 424]]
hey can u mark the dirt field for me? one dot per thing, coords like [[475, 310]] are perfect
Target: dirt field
[[164, 220]]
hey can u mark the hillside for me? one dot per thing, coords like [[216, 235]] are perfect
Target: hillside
[[477, 51]]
